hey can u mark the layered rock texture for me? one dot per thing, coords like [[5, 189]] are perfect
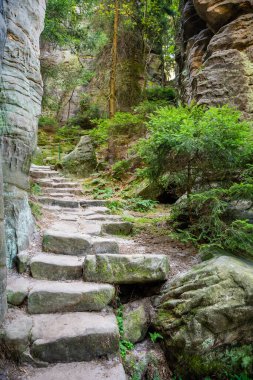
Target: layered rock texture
[[208, 310], [20, 107], [215, 60], [2, 233]]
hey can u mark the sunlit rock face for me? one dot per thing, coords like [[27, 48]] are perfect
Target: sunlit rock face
[[215, 61], [20, 107]]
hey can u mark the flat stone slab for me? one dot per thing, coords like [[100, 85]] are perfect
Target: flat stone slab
[[52, 297], [17, 290], [60, 338], [59, 202], [117, 228], [63, 191], [126, 269], [94, 370], [102, 245], [93, 203], [73, 337], [66, 243], [42, 173], [63, 184], [56, 267]]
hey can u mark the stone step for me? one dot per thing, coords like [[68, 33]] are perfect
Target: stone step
[[94, 370], [59, 202], [61, 297], [126, 269], [63, 191], [60, 338], [66, 243], [117, 228], [93, 203], [60, 195], [56, 267], [37, 174], [59, 185], [77, 244]]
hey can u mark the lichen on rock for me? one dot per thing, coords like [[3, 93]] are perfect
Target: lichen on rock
[[208, 309]]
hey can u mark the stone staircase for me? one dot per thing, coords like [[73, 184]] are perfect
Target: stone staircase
[[60, 302]]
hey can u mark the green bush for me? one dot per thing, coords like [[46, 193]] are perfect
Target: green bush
[[120, 168], [48, 124], [191, 146], [123, 123], [204, 218], [160, 93]]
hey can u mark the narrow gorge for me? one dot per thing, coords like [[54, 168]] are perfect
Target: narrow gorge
[[126, 190]]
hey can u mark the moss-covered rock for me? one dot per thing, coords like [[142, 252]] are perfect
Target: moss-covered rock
[[126, 269], [82, 160], [208, 310], [136, 317]]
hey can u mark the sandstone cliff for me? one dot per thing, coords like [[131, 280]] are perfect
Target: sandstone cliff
[[215, 58], [20, 107], [2, 234]]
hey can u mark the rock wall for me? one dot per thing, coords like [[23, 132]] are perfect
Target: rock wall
[[215, 59], [2, 233], [20, 103]]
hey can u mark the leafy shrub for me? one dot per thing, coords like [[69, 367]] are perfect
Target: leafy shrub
[[122, 123], [191, 146], [120, 168], [204, 218], [48, 124], [160, 93]]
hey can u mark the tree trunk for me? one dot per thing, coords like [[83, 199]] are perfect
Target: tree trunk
[[112, 98]]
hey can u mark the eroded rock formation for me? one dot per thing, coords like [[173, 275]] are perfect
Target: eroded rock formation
[[215, 60], [2, 234], [205, 312], [20, 107]]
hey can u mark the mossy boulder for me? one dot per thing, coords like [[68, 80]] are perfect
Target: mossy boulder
[[126, 269], [136, 317], [208, 310], [82, 160]]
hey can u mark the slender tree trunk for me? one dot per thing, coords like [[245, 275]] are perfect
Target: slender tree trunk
[[112, 98]]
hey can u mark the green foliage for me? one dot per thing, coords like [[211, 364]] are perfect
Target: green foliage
[[48, 124], [35, 189], [160, 93], [155, 336], [204, 218], [123, 123], [65, 26], [124, 345], [36, 210], [189, 146], [120, 168], [135, 204], [232, 363]]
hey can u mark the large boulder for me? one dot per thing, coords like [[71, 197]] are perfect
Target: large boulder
[[82, 160], [207, 314], [215, 60]]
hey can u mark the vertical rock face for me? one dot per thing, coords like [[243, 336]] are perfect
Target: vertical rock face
[[215, 60], [20, 107], [2, 234]]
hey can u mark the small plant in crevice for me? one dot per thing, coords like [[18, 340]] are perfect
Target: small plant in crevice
[[124, 345], [36, 189], [155, 336], [36, 210]]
